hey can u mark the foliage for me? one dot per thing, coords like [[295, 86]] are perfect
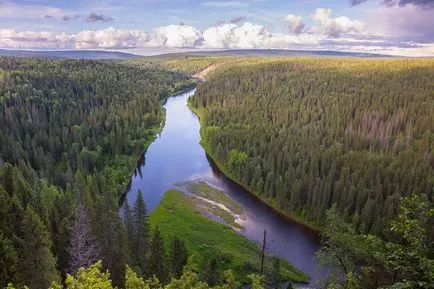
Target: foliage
[[38, 264], [158, 259], [139, 234], [88, 278], [188, 64], [176, 216], [71, 131], [405, 260], [178, 256], [303, 134]]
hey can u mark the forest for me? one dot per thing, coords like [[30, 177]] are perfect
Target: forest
[[344, 145], [71, 132], [304, 134]]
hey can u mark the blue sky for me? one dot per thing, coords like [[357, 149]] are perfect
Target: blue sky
[[402, 27]]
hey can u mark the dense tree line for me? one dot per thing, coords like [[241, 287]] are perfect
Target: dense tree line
[[47, 233], [304, 134], [61, 116], [404, 261], [71, 131]]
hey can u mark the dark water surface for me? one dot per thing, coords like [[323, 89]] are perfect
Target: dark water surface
[[176, 156]]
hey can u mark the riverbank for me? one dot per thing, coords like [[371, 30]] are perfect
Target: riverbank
[[269, 203], [178, 215]]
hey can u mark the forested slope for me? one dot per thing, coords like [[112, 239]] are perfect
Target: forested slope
[[59, 116], [71, 131], [304, 134]]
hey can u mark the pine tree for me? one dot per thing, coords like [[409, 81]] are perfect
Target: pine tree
[[8, 261], [274, 276], [178, 257], [112, 237], [83, 249], [157, 260], [140, 237], [129, 226], [38, 263]]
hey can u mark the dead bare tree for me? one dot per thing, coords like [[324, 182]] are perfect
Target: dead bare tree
[[267, 249], [83, 250]]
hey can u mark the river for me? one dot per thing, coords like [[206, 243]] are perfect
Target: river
[[176, 156]]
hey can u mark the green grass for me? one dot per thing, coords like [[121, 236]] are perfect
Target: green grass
[[177, 216]]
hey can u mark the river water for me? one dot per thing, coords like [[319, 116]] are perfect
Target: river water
[[176, 156]]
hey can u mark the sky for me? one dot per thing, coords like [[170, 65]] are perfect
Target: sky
[[396, 27]]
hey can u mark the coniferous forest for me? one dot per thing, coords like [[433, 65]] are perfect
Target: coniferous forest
[[342, 145], [71, 132], [304, 134]]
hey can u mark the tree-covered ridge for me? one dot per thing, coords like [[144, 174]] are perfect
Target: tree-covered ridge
[[188, 64], [71, 132], [64, 115], [306, 133]]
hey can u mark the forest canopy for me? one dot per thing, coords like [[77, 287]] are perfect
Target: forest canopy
[[304, 134]]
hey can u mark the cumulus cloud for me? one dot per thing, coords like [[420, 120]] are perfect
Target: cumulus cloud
[[230, 35], [173, 36], [295, 24], [94, 17], [327, 33], [335, 27], [110, 38], [11, 38]]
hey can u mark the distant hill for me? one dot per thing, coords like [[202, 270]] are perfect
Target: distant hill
[[74, 54], [279, 52]]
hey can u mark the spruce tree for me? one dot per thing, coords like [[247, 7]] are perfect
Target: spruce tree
[[8, 261], [38, 263], [140, 234], [112, 237], [157, 261], [274, 275], [129, 226], [178, 257]]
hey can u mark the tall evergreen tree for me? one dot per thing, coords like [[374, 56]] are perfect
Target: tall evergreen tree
[[112, 237], [157, 260], [274, 275], [140, 234], [178, 257], [129, 226], [38, 263], [8, 261]]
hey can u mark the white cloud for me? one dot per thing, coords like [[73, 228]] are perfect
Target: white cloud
[[11, 38], [174, 36], [329, 33], [233, 36], [335, 27], [109, 38], [295, 24]]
